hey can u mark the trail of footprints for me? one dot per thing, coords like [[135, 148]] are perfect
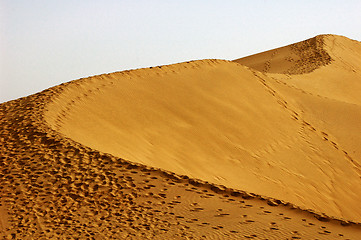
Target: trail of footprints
[[71, 103], [267, 65], [294, 115]]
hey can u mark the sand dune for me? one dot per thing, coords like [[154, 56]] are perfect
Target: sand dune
[[328, 96], [261, 147]]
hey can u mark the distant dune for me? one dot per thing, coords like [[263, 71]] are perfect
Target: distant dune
[[265, 146]]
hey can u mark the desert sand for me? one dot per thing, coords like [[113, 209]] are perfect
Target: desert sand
[[261, 147]]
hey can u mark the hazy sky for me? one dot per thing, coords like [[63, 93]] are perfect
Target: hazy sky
[[46, 42]]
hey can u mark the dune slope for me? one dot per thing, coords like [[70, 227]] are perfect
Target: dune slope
[[209, 149], [327, 95], [216, 121]]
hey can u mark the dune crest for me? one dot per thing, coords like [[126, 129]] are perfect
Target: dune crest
[[298, 58], [262, 146], [326, 65]]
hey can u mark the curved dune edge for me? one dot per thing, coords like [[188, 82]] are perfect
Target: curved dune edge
[[64, 108], [219, 189], [58, 138]]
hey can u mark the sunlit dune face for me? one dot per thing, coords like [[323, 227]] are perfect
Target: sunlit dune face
[[227, 124], [262, 147]]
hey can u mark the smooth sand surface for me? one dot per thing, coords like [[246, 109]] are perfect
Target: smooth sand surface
[[263, 147]]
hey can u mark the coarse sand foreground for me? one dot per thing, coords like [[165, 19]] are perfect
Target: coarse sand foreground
[[262, 147]]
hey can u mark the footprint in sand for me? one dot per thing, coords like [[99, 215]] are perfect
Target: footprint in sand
[[221, 215], [249, 221]]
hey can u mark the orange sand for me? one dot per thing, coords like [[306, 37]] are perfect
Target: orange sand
[[251, 148]]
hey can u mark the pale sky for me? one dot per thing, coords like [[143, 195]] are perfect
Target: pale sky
[[46, 42]]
